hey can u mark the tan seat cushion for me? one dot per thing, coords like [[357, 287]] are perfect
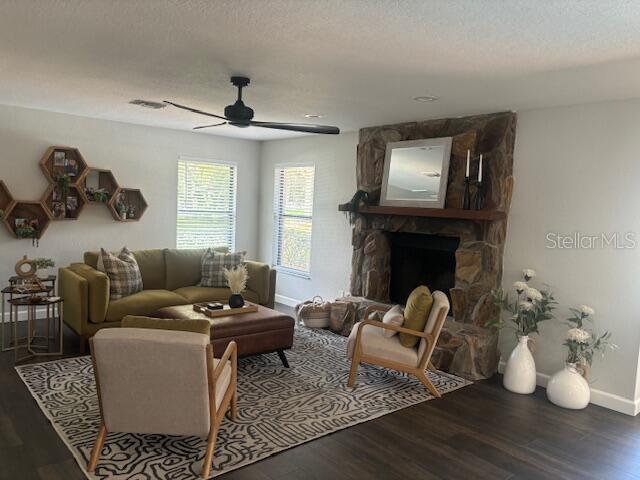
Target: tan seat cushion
[[192, 325], [210, 294], [375, 343], [146, 302]]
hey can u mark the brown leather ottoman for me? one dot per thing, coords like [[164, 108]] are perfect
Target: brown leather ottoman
[[263, 331]]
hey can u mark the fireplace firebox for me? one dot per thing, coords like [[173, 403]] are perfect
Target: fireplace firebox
[[419, 259]]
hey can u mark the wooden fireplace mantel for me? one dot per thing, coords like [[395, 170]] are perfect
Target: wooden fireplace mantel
[[454, 213]]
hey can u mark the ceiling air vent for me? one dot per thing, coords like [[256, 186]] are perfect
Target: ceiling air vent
[[148, 104]]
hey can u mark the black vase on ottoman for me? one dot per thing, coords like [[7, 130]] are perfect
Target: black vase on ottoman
[[236, 300]]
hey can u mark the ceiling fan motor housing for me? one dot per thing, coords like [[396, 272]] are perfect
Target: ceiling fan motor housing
[[238, 113]]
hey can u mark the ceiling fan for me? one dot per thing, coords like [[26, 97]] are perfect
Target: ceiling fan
[[239, 115]]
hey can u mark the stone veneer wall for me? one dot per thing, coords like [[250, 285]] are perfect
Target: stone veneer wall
[[479, 256]]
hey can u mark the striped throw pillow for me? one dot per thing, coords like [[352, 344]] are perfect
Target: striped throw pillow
[[213, 265], [123, 272]]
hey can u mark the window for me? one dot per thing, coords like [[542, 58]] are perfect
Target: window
[[206, 204], [293, 218]]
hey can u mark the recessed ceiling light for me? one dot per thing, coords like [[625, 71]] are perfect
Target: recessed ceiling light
[[425, 98], [314, 115], [148, 104]]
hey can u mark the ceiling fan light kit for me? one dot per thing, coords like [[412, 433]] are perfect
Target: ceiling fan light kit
[[239, 115]]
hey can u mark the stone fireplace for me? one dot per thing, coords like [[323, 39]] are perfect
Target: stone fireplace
[[457, 251]]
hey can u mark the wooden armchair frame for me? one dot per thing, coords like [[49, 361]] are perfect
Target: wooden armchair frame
[[424, 361], [230, 399]]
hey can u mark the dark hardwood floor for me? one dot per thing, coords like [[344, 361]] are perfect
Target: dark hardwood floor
[[481, 431]]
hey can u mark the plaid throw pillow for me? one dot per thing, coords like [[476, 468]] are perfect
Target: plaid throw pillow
[[213, 265], [123, 272]]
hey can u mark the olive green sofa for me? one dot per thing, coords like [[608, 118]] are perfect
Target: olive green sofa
[[169, 277]]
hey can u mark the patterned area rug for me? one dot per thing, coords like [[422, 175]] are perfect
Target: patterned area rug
[[278, 409]]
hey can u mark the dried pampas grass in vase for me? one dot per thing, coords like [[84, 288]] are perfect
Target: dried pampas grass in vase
[[237, 280]]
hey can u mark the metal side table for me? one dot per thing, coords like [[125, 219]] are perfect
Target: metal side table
[[13, 291], [52, 318]]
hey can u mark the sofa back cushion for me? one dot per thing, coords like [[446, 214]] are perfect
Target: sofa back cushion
[[184, 266], [151, 263]]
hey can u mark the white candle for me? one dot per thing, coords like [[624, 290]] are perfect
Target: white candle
[[480, 170], [468, 158]]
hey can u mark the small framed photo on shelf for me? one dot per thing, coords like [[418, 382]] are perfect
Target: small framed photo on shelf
[[72, 203], [20, 222], [58, 210], [59, 158], [71, 167]]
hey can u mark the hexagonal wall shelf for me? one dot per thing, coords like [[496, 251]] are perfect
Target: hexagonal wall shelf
[[27, 219], [6, 200], [63, 161], [98, 185], [127, 205], [63, 206]]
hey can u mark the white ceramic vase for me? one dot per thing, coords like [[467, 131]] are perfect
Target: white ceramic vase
[[520, 371], [568, 389]]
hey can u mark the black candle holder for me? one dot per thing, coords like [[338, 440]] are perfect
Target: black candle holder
[[479, 200], [466, 200]]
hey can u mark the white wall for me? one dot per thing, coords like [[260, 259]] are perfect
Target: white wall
[[335, 182], [139, 156], [577, 170]]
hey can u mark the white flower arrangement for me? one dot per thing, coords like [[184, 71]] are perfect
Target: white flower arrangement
[[586, 311], [583, 343], [530, 307], [578, 335], [532, 294], [520, 286], [237, 279]]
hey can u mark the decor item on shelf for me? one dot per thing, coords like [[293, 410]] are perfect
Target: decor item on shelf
[[530, 307], [62, 183], [237, 280], [568, 388], [27, 228], [314, 313], [360, 198], [415, 173], [29, 281], [479, 200], [465, 198], [42, 263]]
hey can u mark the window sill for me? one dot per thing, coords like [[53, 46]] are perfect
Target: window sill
[[293, 273]]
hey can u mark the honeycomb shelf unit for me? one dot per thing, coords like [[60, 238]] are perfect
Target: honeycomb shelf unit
[[59, 160], [63, 207], [98, 183], [6, 199], [130, 199], [22, 213]]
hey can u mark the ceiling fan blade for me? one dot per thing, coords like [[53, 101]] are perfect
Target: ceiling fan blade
[[297, 127], [194, 110], [212, 125]]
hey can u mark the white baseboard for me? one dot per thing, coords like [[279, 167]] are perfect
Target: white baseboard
[[598, 397], [288, 301], [22, 314]]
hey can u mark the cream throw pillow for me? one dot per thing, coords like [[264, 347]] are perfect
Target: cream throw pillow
[[394, 316]]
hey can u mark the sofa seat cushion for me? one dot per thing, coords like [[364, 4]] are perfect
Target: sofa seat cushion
[[376, 344], [198, 294], [142, 303]]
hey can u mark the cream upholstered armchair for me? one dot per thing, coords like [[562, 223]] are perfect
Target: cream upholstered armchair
[[368, 344], [145, 378]]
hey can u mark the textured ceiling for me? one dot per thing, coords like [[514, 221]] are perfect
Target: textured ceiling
[[357, 62]]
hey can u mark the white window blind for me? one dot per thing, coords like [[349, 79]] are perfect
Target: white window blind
[[206, 204], [293, 218]]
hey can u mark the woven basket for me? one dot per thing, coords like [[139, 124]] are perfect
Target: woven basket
[[314, 313]]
